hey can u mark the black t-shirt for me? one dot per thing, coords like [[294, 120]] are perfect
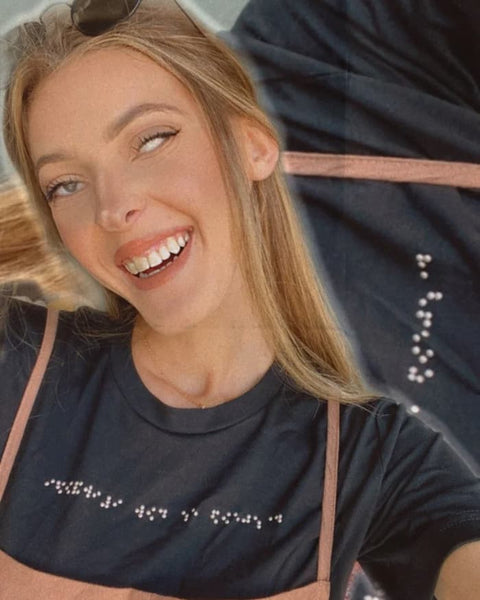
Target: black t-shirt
[[111, 486]]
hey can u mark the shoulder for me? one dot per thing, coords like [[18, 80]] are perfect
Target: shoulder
[[23, 325], [22, 328], [22, 322], [81, 338], [397, 449], [384, 420], [381, 421], [405, 496]]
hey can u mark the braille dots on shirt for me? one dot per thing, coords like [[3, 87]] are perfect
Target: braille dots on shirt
[[423, 260], [233, 517], [421, 371], [151, 513], [109, 502], [188, 514], [69, 488], [225, 518], [79, 488]]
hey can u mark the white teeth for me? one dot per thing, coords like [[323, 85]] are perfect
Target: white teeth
[[137, 264], [154, 259], [173, 246], [131, 268], [164, 253], [141, 263]]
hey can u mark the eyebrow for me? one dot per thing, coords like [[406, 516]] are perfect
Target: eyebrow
[[49, 158], [137, 111], [115, 128]]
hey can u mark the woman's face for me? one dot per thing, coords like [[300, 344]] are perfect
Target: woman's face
[[126, 162]]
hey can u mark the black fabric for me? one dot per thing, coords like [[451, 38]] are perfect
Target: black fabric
[[397, 78], [404, 497]]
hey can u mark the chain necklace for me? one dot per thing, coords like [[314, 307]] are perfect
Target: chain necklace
[[188, 397]]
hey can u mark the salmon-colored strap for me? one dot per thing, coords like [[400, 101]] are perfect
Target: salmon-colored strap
[[383, 168], [20, 582], [28, 400], [325, 546]]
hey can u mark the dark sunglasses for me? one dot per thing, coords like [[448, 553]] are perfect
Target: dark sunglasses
[[90, 17], [93, 17]]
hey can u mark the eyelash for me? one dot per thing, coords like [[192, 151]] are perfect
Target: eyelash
[[165, 135], [54, 186], [143, 140]]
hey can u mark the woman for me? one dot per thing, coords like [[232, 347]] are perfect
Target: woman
[[148, 158]]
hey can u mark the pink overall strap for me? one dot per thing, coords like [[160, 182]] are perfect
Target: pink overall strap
[[28, 400], [383, 168], [325, 546]]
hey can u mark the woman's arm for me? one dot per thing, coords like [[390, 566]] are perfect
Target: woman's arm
[[460, 574]]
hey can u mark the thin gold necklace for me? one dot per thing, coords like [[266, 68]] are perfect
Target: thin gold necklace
[[187, 397]]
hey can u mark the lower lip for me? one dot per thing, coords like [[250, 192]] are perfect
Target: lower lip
[[163, 277]]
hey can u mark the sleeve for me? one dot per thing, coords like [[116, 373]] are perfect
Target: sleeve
[[429, 504]]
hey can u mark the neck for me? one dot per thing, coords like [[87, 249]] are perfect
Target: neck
[[216, 360]]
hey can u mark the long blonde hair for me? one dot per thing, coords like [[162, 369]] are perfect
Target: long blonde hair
[[291, 304], [26, 258]]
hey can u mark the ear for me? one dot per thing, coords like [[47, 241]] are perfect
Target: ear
[[260, 150]]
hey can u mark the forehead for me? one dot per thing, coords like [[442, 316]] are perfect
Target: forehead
[[91, 90]]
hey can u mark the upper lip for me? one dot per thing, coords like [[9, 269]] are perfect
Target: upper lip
[[140, 247]]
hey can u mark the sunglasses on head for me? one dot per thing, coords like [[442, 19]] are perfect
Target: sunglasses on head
[[90, 17], [93, 17]]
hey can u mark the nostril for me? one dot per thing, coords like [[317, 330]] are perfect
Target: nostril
[[130, 214], [117, 212]]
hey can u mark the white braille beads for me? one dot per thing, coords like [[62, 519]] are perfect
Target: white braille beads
[[77, 488], [90, 492], [226, 518], [216, 516], [187, 514], [422, 261], [277, 518], [151, 513], [69, 488], [422, 353], [109, 502]]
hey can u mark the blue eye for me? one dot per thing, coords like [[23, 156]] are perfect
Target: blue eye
[[62, 189]]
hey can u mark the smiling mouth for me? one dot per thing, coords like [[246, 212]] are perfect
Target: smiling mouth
[[159, 258]]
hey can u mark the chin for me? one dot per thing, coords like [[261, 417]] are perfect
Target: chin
[[169, 318], [182, 314]]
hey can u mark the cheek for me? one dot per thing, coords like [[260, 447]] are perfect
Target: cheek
[[74, 233]]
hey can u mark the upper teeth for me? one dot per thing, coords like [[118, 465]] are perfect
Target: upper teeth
[[156, 256]]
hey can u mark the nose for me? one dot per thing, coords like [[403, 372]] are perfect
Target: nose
[[116, 219], [119, 204]]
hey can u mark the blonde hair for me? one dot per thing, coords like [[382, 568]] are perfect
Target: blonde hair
[[291, 304], [25, 256]]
